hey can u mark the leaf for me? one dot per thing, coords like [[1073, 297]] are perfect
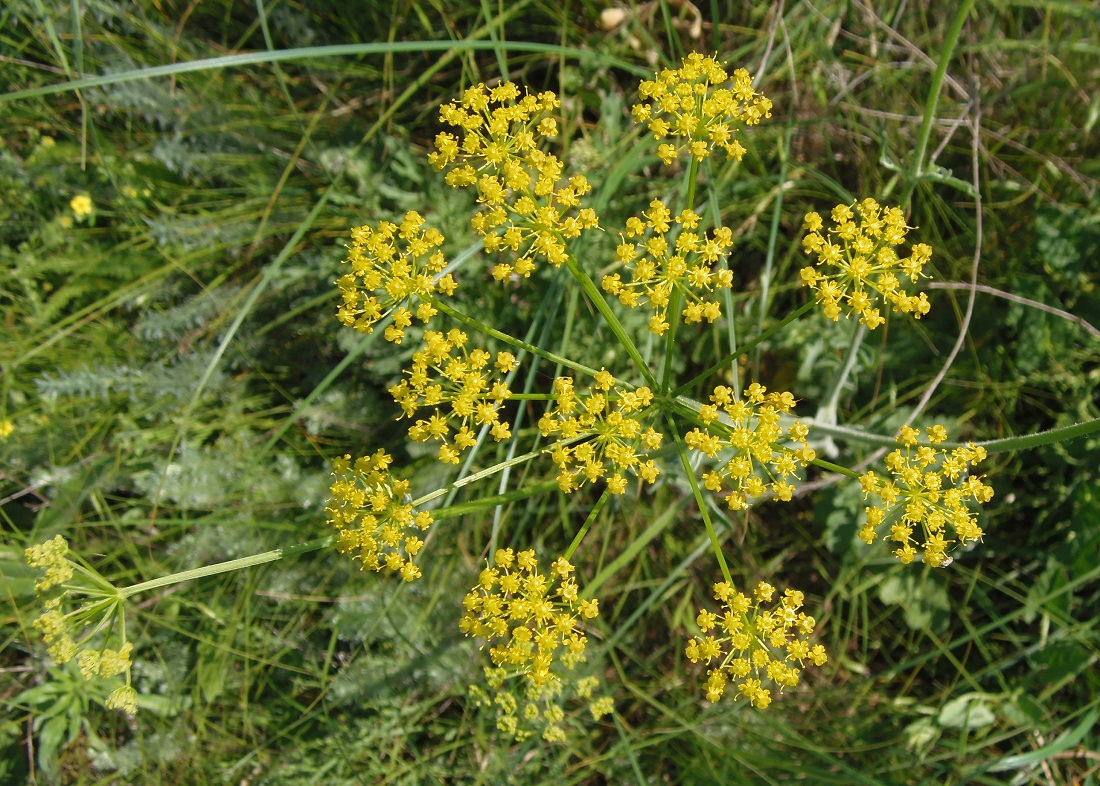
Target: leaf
[[16, 576], [1058, 662], [1043, 595], [920, 734], [925, 602], [843, 517], [210, 671], [49, 746], [969, 711], [1065, 742]]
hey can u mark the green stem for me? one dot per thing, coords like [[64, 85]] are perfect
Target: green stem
[[773, 237], [674, 299], [225, 567], [1063, 434], [835, 468], [484, 503], [485, 473], [791, 317], [700, 500], [587, 523], [949, 41], [631, 550], [597, 298], [693, 174], [481, 327]]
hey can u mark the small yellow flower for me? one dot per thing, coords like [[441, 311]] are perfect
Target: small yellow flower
[[754, 645], [81, 205], [375, 524], [657, 268], [930, 488], [527, 207], [461, 388], [6, 428], [532, 622], [602, 434], [691, 107], [862, 270], [394, 270], [754, 436]]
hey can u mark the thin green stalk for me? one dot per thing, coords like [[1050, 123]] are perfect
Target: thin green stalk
[[314, 52], [673, 311], [485, 503], [225, 567], [1063, 434], [635, 546], [481, 327], [916, 167], [791, 317], [835, 468], [699, 499], [597, 298], [587, 524], [485, 473], [773, 239], [827, 412]]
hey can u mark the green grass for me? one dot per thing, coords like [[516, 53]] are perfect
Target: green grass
[[178, 385]]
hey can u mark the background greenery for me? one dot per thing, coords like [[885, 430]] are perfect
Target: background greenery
[[177, 384]]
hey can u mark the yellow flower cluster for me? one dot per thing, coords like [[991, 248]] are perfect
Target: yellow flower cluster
[[929, 488], [688, 104], [863, 263], [686, 266], [445, 374], [752, 644], [524, 203], [393, 268], [532, 622], [374, 522], [753, 436], [600, 432], [82, 630]]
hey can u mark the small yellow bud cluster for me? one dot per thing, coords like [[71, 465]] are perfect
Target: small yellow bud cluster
[[753, 436], [531, 621], [52, 557], [368, 510], [660, 269], [82, 629], [930, 488], [752, 644], [609, 421], [444, 373], [123, 698], [524, 203], [105, 662], [689, 105], [863, 263], [393, 269], [523, 714]]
